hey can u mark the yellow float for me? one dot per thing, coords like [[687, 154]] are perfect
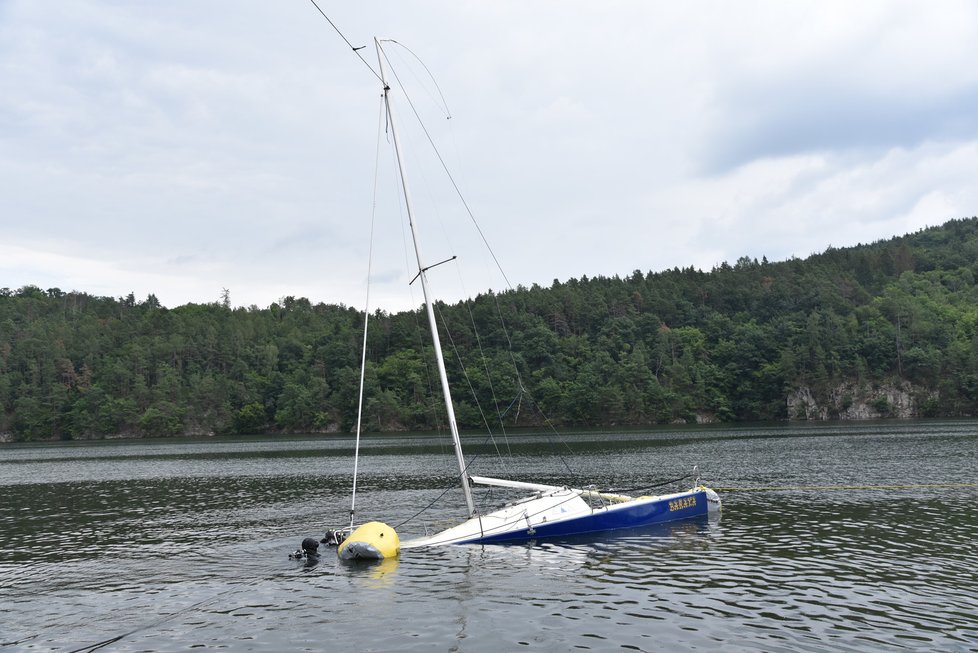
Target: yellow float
[[371, 541]]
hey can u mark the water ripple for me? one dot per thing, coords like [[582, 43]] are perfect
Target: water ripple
[[186, 544]]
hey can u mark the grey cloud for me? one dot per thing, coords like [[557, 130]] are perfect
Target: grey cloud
[[789, 120]]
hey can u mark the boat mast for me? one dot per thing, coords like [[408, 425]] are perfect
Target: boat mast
[[422, 274]]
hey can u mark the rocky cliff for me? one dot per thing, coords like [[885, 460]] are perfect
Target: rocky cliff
[[851, 400]]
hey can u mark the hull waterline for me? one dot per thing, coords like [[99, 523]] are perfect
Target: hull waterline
[[563, 513]]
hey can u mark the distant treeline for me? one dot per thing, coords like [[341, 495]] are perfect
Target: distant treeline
[[681, 345]]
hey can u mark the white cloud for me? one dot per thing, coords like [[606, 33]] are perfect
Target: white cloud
[[182, 148], [796, 206]]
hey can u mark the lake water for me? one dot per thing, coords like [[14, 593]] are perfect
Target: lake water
[[176, 545]]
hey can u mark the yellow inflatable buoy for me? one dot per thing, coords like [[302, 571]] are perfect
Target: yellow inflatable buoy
[[372, 541]]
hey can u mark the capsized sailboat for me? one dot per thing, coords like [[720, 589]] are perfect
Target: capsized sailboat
[[549, 511], [557, 512]]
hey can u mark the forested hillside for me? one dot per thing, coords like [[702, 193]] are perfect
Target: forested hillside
[[887, 329]]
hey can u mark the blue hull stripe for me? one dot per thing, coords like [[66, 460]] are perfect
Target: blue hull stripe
[[625, 516]]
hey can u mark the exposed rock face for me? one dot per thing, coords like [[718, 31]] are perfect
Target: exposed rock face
[[849, 400]]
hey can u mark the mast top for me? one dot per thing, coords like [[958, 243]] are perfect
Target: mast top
[[423, 276]]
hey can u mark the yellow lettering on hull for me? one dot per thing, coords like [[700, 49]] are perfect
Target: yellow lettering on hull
[[681, 504]]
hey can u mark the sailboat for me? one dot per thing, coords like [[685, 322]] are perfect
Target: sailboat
[[548, 511]]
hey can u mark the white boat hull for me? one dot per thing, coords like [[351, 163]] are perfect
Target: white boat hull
[[563, 512]]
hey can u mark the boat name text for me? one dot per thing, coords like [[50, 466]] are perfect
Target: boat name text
[[679, 504]]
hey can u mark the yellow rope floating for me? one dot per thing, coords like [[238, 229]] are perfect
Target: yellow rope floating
[[844, 487]]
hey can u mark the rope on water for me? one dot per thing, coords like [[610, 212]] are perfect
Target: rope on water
[[231, 590], [659, 484], [113, 640], [917, 486], [426, 508]]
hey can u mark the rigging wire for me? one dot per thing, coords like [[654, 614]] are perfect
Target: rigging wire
[[469, 303], [461, 197], [444, 103], [448, 172], [468, 381], [471, 215], [419, 328], [523, 390], [356, 50], [366, 320], [492, 388]]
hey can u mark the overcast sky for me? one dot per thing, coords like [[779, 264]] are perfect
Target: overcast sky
[[184, 147]]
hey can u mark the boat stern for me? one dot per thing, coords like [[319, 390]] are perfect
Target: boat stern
[[713, 503]]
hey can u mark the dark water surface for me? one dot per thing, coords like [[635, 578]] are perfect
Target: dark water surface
[[184, 545]]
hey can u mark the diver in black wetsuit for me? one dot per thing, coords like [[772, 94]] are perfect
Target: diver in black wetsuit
[[309, 550]]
